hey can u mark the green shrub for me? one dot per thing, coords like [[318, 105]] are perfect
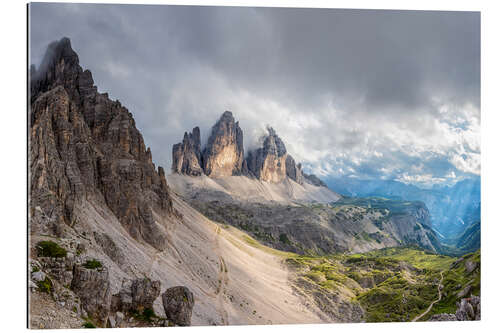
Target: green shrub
[[50, 249], [147, 314], [45, 285], [88, 324], [92, 264], [284, 239]]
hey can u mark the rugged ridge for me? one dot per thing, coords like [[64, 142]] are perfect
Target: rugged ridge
[[84, 145], [269, 162], [186, 155], [224, 154], [294, 171]]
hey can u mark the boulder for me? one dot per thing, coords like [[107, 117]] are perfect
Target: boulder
[[443, 317], [93, 288], [38, 276], [178, 303], [119, 317], [470, 266], [137, 295], [469, 309]]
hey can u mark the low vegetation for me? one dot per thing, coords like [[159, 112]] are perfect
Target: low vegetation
[[92, 264], [88, 324], [45, 285], [393, 284], [146, 315], [50, 249]]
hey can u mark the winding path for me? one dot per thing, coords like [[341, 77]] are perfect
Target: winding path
[[222, 280], [432, 304]]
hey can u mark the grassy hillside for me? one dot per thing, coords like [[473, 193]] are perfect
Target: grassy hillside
[[462, 279], [392, 284]]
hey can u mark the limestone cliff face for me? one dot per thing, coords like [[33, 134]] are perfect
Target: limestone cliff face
[[269, 162], [294, 171], [224, 155], [186, 155], [85, 146]]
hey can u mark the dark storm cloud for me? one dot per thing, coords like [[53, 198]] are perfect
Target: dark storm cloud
[[375, 92]]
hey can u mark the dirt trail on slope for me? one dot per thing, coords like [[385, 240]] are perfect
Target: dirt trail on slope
[[432, 304], [222, 281]]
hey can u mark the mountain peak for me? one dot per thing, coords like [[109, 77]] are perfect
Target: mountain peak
[[61, 66]]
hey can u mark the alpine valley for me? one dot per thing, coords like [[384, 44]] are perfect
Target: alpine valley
[[229, 236]]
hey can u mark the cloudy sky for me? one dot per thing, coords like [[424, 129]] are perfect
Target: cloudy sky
[[352, 93]]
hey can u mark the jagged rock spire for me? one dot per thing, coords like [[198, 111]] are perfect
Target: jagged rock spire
[[85, 146], [224, 154], [186, 156]]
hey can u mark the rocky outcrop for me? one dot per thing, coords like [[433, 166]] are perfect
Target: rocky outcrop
[[443, 317], [313, 180], [93, 288], [186, 155], [467, 309], [178, 303], [269, 162], [136, 295], [294, 171], [224, 154], [85, 146], [110, 248]]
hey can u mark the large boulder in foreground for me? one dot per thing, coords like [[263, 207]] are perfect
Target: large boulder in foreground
[[178, 303], [137, 295], [93, 287]]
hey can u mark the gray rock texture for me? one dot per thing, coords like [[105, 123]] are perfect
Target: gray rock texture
[[443, 317], [469, 309], [224, 153], [294, 171], [93, 288], [313, 180], [178, 303], [269, 162], [137, 295], [186, 155], [84, 144]]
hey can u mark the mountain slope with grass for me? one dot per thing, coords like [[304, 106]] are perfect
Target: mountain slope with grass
[[392, 284]]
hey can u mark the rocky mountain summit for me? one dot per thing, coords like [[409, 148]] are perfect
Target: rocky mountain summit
[[83, 144], [187, 154], [88, 162], [224, 156]]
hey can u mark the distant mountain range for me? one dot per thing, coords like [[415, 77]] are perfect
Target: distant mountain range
[[454, 209]]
